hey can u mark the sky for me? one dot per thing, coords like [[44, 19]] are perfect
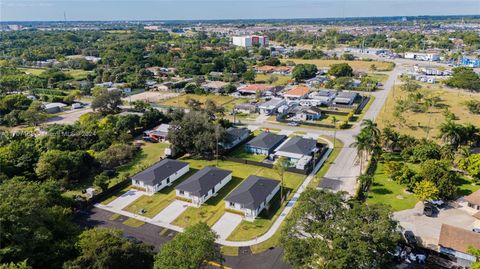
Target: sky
[[41, 10]]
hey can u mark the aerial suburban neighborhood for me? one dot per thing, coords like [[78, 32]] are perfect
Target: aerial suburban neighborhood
[[186, 139]]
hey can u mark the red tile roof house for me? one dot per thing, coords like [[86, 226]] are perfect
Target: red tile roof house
[[298, 92], [455, 242], [254, 88]]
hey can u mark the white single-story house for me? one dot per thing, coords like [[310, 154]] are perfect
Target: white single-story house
[[247, 108], [299, 151], [345, 98], [160, 175], [455, 241], [324, 96], [271, 106], [203, 185], [252, 196]]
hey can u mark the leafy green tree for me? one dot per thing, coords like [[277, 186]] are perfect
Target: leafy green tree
[[19, 157], [440, 173], [304, 71], [471, 164], [327, 231], [473, 106], [425, 190], [410, 86], [464, 78], [340, 70], [35, 114], [64, 166], [101, 181], [475, 252], [190, 249], [19, 265], [35, 219], [249, 75], [116, 155], [108, 102], [108, 249]]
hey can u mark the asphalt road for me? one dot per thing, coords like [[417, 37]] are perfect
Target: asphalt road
[[150, 234]]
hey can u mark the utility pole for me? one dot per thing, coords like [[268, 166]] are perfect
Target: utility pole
[[217, 135]]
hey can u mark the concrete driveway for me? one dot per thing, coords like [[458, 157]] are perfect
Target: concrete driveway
[[171, 212], [226, 224], [125, 199], [427, 229]]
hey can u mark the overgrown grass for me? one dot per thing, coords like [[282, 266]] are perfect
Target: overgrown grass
[[228, 102], [280, 81], [356, 65]]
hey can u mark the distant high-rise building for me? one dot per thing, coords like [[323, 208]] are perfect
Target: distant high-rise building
[[249, 41]]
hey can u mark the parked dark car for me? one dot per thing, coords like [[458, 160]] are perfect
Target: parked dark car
[[428, 210], [410, 238]]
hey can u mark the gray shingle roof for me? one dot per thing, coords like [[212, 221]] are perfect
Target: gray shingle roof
[[233, 133], [299, 145], [159, 171], [202, 181], [266, 140], [252, 192]]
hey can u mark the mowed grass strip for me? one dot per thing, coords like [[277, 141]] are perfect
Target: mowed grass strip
[[356, 65]]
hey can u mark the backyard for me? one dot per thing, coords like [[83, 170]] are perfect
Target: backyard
[[356, 65], [277, 80]]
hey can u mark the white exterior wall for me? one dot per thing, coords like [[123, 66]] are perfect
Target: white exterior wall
[[163, 184], [250, 214], [198, 201]]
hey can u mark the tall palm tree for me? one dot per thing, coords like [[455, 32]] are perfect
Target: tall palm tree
[[451, 133], [362, 144], [390, 138], [371, 128]]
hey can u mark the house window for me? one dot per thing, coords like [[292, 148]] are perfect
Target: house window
[[136, 182], [231, 204], [182, 192]]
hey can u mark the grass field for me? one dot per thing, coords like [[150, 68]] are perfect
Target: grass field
[[418, 124], [213, 209], [389, 192], [75, 73], [356, 65], [228, 102], [281, 80], [240, 153]]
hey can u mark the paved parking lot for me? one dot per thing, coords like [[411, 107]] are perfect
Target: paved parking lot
[[427, 229], [171, 212], [226, 224], [125, 199]]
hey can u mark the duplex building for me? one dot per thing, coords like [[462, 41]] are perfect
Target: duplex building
[[160, 175], [252, 196], [264, 143], [204, 184]]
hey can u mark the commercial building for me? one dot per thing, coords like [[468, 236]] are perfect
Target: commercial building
[[249, 41], [422, 56]]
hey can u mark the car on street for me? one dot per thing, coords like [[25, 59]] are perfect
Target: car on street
[[476, 230], [429, 210]]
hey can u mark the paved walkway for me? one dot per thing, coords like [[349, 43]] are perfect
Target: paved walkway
[[226, 224], [171, 212], [125, 199]]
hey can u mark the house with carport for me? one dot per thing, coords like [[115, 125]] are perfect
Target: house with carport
[[202, 185], [252, 196]]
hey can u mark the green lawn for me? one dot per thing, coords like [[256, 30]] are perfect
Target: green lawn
[[389, 192], [77, 74], [150, 154], [214, 208], [331, 159], [280, 81], [154, 204], [240, 153], [228, 102], [133, 222], [466, 186]]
